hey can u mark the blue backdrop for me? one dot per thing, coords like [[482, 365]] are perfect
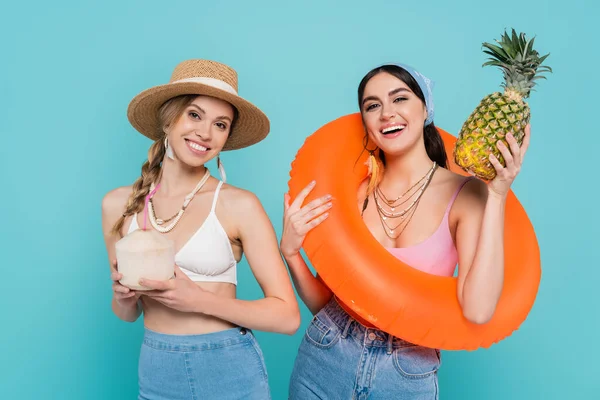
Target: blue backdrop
[[69, 69]]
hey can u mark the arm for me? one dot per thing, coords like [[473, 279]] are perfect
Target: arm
[[480, 245], [276, 312], [312, 290], [297, 223], [480, 237], [125, 302]]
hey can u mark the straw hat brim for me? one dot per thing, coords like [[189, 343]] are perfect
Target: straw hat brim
[[250, 127]]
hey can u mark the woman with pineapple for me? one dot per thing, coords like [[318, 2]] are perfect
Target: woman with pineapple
[[425, 215]]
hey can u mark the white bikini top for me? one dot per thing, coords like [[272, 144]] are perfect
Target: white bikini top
[[207, 256]]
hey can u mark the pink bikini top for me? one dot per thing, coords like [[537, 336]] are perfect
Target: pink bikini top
[[437, 254]]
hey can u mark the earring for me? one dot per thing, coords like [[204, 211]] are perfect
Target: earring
[[372, 163], [375, 168], [221, 170], [168, 149]]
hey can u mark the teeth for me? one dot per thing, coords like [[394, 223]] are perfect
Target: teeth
[[197, 146], [393, 128]]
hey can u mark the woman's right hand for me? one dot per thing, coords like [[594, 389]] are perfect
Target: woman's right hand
[[124, 296], [298, 221]]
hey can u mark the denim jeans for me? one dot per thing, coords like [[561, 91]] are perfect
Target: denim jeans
[[341, 359], [226, 365]]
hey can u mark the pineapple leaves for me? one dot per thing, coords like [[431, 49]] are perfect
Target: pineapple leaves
[[521, 64], [528, 46], [509, 49], [497, 51], [543, 58]]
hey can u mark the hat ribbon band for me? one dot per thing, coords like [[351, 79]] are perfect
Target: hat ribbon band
[[216, 83]]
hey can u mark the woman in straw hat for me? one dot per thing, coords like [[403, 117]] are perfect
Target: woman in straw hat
[[198, 340]]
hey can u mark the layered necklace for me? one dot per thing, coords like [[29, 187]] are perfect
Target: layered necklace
[[158, 223], [386, 208]]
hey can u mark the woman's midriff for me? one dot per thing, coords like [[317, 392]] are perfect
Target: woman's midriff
[[163, 319]]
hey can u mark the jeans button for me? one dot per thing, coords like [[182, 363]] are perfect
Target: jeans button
[[372, 336], [243, 331]]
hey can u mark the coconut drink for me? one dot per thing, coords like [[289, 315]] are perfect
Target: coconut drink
[[144, 254]]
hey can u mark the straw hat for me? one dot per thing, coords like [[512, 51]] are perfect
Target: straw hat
[[201, 77]]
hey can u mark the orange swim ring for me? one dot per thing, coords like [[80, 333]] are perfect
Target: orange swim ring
[[401, 300]]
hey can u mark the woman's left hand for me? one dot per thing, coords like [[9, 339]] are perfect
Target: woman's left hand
[[179, 293], [505, 176]]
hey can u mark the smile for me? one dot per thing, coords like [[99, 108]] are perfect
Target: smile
[[196, 147], [396, 128]]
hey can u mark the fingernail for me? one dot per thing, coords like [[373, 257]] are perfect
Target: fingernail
[[328, 197], [141, 282], [313, 182]]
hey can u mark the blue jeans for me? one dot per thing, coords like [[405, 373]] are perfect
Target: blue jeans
[[341, 359], [225, 365]]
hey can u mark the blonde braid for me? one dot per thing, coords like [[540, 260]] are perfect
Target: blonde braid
[[168, 114], [151, 171]]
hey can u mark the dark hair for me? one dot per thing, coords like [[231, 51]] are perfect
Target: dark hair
[[434, 145]]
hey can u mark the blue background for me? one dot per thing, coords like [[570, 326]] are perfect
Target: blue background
[[69, 68]]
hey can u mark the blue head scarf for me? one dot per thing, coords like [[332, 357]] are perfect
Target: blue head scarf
[[426, 86]]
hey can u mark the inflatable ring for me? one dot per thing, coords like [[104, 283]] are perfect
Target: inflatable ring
[[419, 307]]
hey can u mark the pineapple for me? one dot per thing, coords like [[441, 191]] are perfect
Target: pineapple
[[500, 113]]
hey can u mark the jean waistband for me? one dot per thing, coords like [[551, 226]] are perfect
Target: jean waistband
[[205, 341], [350, 326]]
